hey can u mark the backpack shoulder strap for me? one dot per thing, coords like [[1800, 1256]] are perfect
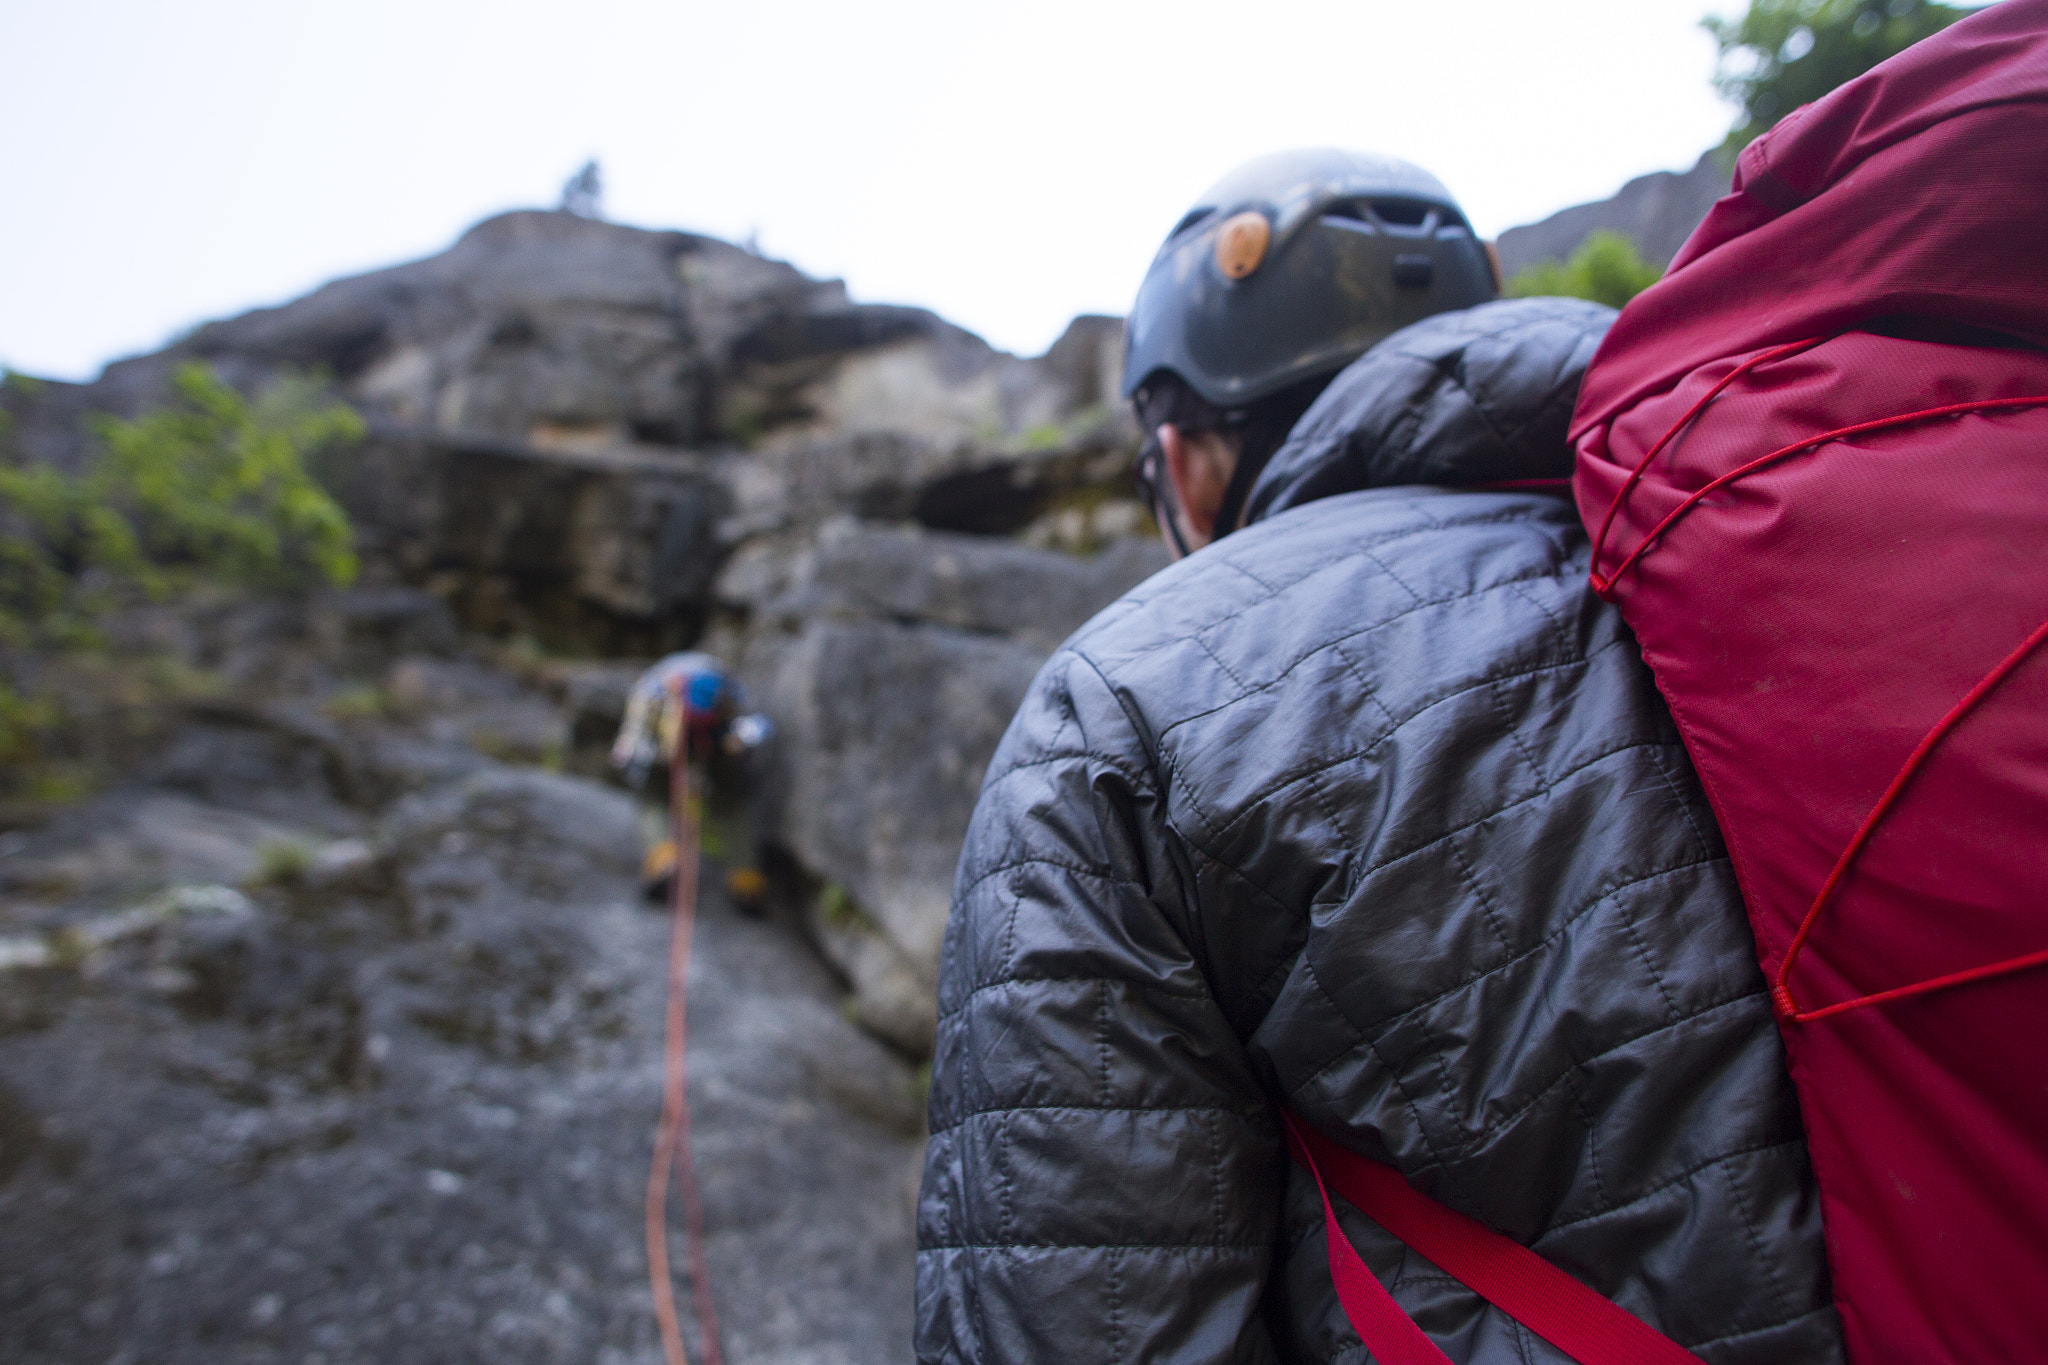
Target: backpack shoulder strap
[[1582, 1323]]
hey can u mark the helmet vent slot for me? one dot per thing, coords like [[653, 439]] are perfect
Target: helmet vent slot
[[1193, 217], [1403, 213]]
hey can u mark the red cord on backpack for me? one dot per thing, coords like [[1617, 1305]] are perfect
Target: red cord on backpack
[[1781, 991], [1605, 586], [672, 1140]]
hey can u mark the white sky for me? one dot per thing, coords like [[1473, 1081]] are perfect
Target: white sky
[[1005, 165]]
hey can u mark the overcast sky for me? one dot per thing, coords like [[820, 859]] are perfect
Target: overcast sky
[[1006, 165]]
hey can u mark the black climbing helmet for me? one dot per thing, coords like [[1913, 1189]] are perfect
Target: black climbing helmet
[[1292, 266]]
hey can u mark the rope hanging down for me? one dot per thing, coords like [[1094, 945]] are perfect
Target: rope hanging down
[[672, 1140]]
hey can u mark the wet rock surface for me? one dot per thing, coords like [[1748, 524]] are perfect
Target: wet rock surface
[[304, 1077], [330, 1030]]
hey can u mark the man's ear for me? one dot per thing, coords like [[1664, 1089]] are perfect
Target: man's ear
[[1198, 465]]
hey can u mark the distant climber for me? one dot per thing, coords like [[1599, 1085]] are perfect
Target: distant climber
[[583, 192], [690, 699]]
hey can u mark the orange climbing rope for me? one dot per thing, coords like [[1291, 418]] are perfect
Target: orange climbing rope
[[672, 1140]]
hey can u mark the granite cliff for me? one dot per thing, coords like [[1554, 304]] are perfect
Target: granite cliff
[[330, 1027]]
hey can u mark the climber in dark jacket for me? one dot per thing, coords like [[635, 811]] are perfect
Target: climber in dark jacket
[[1369, 809]]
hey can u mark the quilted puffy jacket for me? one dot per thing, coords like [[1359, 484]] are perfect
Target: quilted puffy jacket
[[1371, 809]]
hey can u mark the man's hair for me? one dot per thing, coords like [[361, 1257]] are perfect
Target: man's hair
[[1260, 426]]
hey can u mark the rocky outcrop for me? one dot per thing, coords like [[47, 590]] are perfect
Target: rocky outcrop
[[329, 1034], [1657, 212], [613, 441], [574, 422], [893, 659]]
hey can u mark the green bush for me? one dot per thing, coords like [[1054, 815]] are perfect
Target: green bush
[[212, 487], [1606, 269]]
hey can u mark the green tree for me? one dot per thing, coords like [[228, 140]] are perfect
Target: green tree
[[1785, 53], [211, 487], [1606, 269]]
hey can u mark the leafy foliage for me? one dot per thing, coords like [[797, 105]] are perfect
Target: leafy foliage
[[1606, 269], [212, 487], [1785, 53]]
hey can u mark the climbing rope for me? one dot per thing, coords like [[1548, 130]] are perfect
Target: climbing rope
[[672, 1140]]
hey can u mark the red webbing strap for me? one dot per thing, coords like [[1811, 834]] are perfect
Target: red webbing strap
[[1582, 1323]]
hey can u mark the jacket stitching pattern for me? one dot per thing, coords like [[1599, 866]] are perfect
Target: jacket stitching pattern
[[1102, 1036], [1512, 733], [1642, 952], [1281, 782], [1017, 982], [1233, 562], [1009, 966], [1023, 767], [1756, 1241], [1395, 578], [1003, 1113], [1684, 806], [1366, 689], [1486, 905], [1501, 585], [1403, 855], [1116, 1328], [999, 1148], [1519, 1335], [1326, 808], [1494, 1129], [1244, 689], [1393, 1079], [1592, 903], [1098, 874], [1515, 516], [1600, 1195], [1216, 1165], [1683, 1177], [1826, 1309]]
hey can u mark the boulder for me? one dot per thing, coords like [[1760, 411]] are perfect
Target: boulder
[[572, 421], [401, 1107], [893, 659], [611, 441]]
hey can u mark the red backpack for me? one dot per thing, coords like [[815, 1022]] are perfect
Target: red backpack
[[1814, 461]]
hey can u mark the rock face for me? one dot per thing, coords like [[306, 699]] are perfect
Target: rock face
[[326, 1035], [1657, 212], [332, 1032], [574, 422], [894, 658], [620, 442]]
